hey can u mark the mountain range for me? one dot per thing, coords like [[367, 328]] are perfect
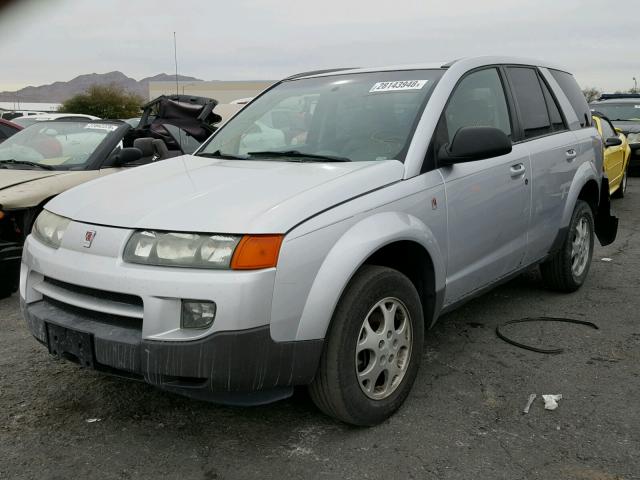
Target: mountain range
[[58, 92]]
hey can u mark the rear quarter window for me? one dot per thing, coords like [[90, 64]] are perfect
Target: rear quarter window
[[573, 92]]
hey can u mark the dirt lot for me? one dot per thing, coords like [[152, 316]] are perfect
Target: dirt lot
[[463, 420]]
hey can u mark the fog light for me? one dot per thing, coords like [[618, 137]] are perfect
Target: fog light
[[197, 313]]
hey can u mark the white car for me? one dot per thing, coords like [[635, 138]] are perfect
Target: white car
[[27, 120], [266, 261]]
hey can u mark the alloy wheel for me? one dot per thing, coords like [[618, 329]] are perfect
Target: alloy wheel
[[383, 349], [581, 247]]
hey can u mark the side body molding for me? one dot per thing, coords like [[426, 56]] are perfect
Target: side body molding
[[347, 255]]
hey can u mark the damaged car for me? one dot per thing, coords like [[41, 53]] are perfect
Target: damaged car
[[320, 256], [49, 157]]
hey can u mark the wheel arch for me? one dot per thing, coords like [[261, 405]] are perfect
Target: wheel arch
[[375, 239], [585, 186]]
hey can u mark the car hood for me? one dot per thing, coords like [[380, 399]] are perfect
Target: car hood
[[29, 188], [10, 177], [199, 194]]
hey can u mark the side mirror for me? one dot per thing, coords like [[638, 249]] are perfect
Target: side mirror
[[612, 142], [127, 155], [475, 143]]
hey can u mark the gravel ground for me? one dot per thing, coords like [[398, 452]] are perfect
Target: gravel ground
[[463, 419]]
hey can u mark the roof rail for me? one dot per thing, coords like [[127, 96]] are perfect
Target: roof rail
[[318, 72], [613, 96], [447, 65]]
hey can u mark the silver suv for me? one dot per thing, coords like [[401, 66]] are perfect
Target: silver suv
[[315, 237]]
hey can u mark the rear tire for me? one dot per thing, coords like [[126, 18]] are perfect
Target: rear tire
[[567, 270], [372, 350]]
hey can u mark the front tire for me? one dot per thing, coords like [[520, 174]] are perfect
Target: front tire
[[567, 270], [373, 348]]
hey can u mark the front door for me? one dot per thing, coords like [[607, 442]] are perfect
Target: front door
[[488, 201]]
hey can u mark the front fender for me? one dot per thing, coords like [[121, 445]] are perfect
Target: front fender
[[350, 252]]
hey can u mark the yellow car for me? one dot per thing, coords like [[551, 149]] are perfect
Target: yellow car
[[616, 155]]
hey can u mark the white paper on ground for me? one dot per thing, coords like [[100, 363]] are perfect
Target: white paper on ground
[[551, 401]]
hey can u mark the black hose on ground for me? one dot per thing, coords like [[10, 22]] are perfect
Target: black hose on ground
[[540, 319]]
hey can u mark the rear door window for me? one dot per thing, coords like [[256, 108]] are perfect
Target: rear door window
[[557, 121], [531, 102], [576, 98]]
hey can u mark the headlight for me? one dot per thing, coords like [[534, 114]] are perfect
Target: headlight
[[633, 137], [49, 228], [180, 249]]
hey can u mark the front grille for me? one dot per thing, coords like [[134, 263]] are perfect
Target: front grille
[[93, 315], [124, 298], [114, 308]]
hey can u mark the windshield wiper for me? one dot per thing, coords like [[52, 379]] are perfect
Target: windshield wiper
[[298, 154], [25, 162], [224, 156]]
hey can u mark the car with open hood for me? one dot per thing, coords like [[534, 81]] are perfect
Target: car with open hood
[[320, 255], [623, 110], [49, 157]]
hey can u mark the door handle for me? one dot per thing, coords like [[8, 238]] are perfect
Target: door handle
[[517, 169], [571, 154]]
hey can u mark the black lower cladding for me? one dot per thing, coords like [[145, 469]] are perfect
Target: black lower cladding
[[236, 367]]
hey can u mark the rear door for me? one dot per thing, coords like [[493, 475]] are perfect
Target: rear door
[[488, 201], [554, 150]]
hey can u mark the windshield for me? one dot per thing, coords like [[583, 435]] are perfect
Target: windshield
[[55, 145], [619, 111], [359, 117]]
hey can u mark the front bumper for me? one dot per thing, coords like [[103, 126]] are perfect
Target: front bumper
[[130, 317], [235, 367]]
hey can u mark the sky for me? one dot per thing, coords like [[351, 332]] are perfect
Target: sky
[[42, 41]]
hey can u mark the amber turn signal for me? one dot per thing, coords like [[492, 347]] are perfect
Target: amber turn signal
[[256, 251]]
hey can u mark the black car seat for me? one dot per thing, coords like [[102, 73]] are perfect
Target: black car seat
[[161, 149], [152, 149]]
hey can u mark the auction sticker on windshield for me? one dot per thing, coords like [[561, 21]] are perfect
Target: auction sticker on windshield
[[398, 85], [101, 126]]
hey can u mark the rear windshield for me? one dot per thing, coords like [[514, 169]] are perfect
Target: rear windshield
[[359, 117]]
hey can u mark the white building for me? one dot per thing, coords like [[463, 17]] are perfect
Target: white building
[[223, 91], [30, 106]]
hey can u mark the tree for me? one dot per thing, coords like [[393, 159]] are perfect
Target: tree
[[591, 93], [104, 101]]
